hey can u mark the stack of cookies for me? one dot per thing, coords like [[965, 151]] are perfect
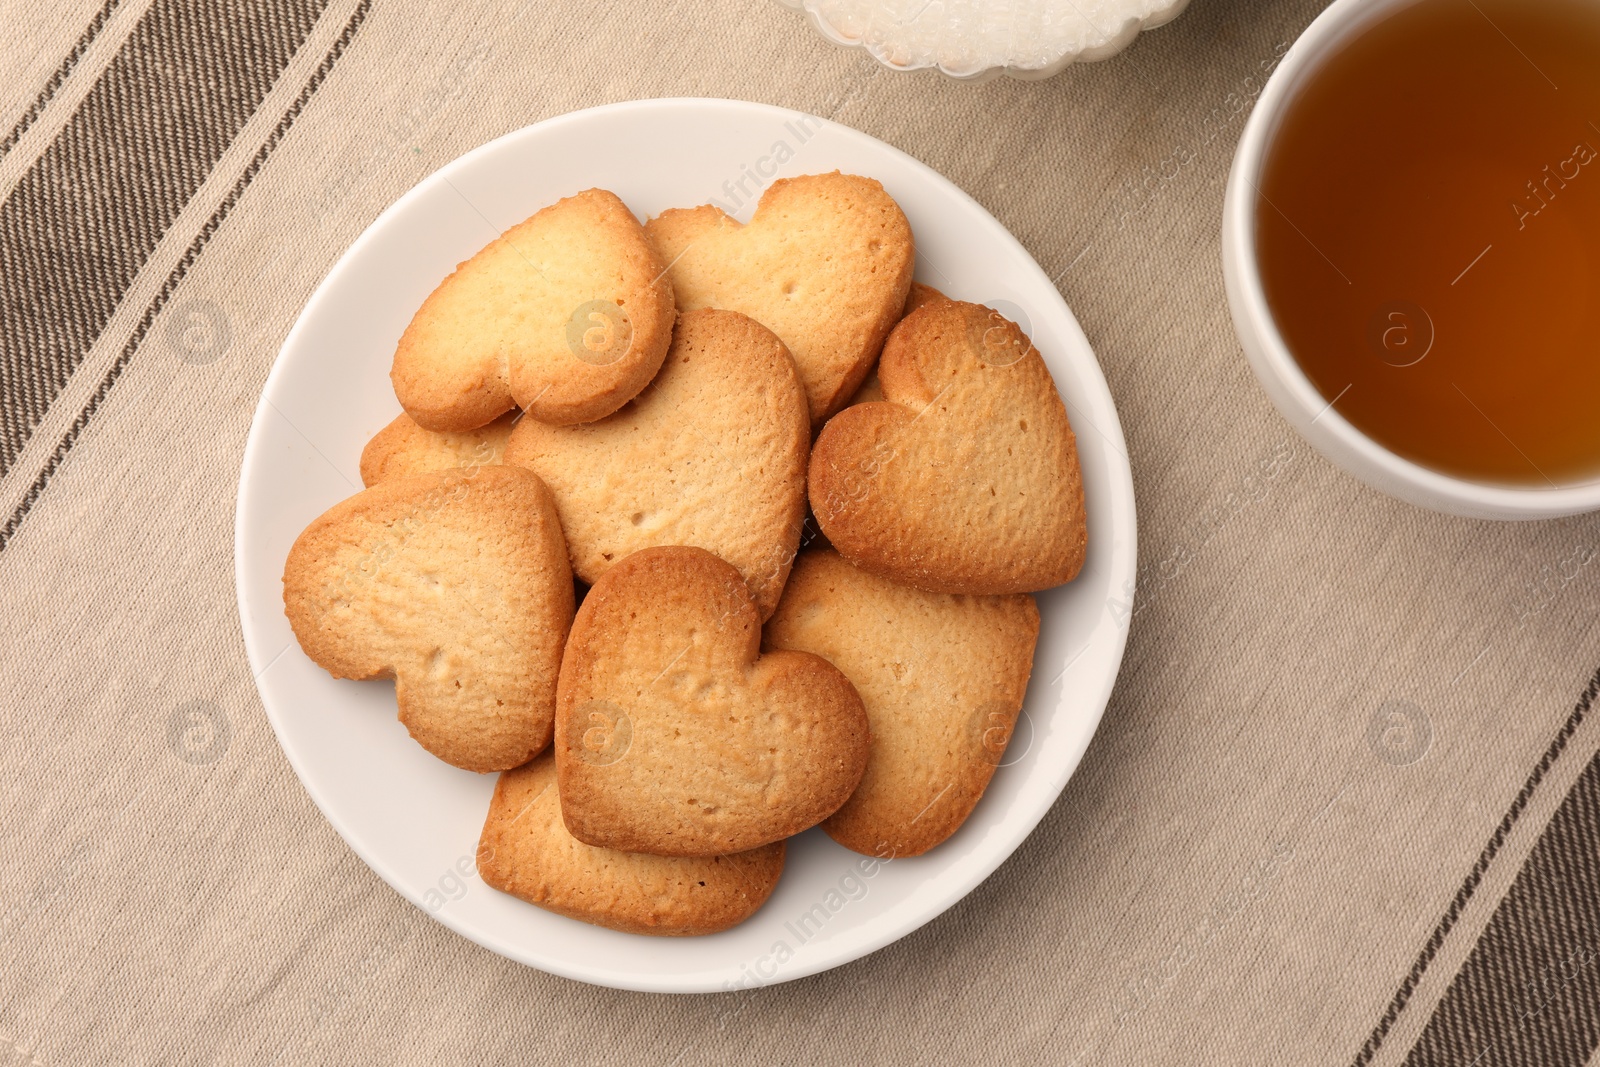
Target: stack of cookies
[[579, 553]]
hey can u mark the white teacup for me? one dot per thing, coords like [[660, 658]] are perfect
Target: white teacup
[[1300, 402]]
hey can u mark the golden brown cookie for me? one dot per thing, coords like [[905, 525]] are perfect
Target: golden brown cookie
[[965, 479], [454, 583], [526, 851], [825, 263], [942, 677], [566, 315], [920, 294], [675, 737], [403, 447], [869, 392], [712, 454]]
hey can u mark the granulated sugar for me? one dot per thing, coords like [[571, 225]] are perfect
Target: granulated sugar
[[966, 37]]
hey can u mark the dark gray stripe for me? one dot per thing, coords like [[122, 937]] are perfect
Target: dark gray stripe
[[190, 255], [59, 78], [85, 217], [1530, 991], [1435, 941]]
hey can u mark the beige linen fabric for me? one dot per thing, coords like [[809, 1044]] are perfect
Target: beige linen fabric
[[1246, 866]]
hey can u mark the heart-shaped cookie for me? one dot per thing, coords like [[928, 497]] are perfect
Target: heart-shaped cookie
[[454, 583], [942, 677], [526, 851], [825, 263], [567, 315], [675, 737], [712, 454], [965, 478], [920, 294], [403, 447]]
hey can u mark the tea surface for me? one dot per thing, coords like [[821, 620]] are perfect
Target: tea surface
[[1429, 236]]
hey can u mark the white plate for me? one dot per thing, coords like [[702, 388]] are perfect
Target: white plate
[[414, 819]]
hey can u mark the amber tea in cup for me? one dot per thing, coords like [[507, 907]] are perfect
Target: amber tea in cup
[[1428, 233]]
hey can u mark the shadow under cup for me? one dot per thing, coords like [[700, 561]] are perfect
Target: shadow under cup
[[1423, 243]]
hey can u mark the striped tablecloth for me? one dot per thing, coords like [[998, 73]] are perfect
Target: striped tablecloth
[[1344, 807]]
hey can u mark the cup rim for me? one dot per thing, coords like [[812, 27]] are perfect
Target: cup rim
[[1287, 385]]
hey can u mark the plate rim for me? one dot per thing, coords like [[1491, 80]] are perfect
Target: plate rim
[[1119, 470]]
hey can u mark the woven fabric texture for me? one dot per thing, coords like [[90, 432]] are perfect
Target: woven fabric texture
[[1342, 807]]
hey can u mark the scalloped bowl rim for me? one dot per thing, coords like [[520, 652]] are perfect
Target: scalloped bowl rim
[[1130, 29]]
